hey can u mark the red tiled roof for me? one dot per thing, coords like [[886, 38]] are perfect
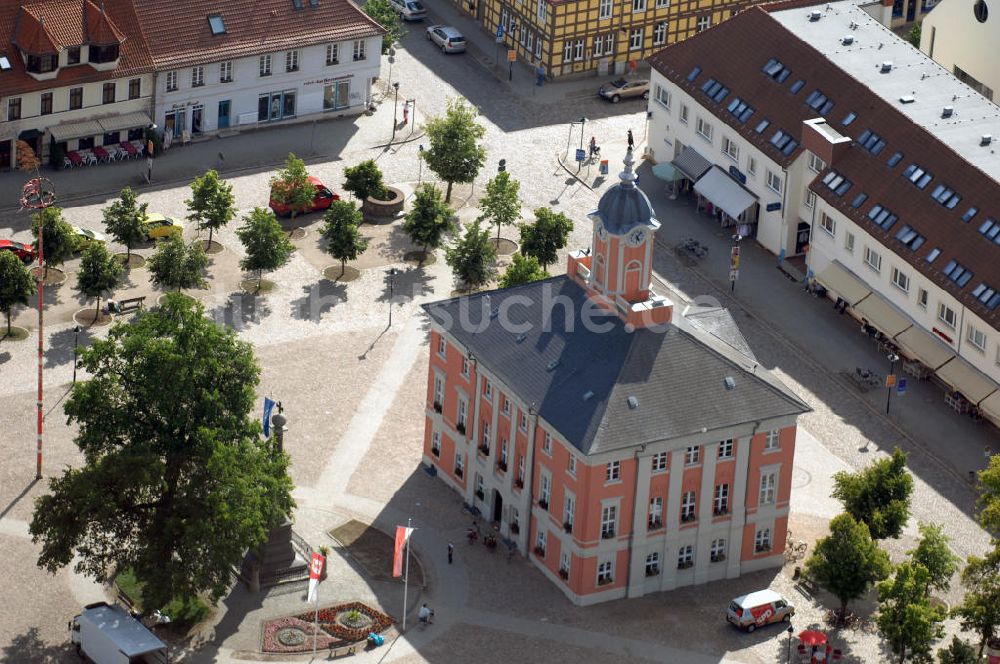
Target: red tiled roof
[[100, 28], [64, 21], [33, 35], [735, 51], [178, 34]]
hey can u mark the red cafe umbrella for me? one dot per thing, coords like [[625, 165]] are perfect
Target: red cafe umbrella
[[812, 637]]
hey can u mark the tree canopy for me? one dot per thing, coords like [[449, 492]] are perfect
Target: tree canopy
[[879, 495], [124, 221], [342, 233], [455, 153], [387, 16], [989, 495], [291, 186], [501, 206], [847, 561], [935, 555], [212, 204], [545, 236], [429, 218], [905, 615], [473, 257], [958, 652], [266, 243], [522, 270], [979, 611], [99, 272], [176, 265], [364, 180], [57, 236], [16, 284], [176, 481]]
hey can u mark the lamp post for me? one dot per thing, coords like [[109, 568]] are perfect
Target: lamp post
[[582, 122], [734, 262], [76, 346], [890, 380], [392, 282], [149, 154], [420, 164], [395, 110], [788, 649]]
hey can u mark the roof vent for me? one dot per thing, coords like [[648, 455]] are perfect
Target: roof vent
[[552, 365], [947, 111], [986, 139], [633, 403], [854, 25], [847, 40], [886, 66], [907, 99], [815, 15], [587, 395], [730, 383], [521, 337]]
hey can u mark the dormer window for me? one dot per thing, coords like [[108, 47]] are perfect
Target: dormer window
[[73, 55], [104, 54], [41, 64], [216, 24]]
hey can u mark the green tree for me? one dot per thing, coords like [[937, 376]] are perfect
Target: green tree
[[291, 186], [958, 652], [914, 36], [935, 555], [99, 272], [979, 611], [386, 16], [124, 221], [176, 482], [365, 180], [176, 265], [847, 561], [989, 495], [267, 245], [501, 205], [545, 236], [473, 257], [524, 269], [16, 284], [212, 204], [429, 218], [879, 495], [344, 239], [905, 615], [57, 236], [455, 153]]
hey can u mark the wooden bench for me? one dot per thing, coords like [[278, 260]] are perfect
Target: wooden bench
[[341, 652], [125, 306]]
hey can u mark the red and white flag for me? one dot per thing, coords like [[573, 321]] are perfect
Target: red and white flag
[[402, 537], [315, 570]]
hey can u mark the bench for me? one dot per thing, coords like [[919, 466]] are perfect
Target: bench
[[341, 652], [125, 306]]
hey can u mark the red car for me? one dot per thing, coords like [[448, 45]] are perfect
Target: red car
[[25, 252], [324, 197]]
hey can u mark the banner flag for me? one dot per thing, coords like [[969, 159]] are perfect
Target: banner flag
[[315, 570], [402, 536], [268, 407]]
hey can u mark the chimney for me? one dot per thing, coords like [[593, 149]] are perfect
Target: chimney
[[823, 140]]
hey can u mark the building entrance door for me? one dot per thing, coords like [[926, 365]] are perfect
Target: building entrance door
[[497, 506], [801, 237], [225, 108]]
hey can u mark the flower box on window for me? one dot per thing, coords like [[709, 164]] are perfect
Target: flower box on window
[[564, 573], [514, 528], [608, 534], [437, 407], [603, 581], [540, 551], [502, 465], [718, 558], [458, 472], [687, 518], [436, 451], [484, 450], [480, 495], [685, 564], [653, 571], [460, 427], [568, 527], [762, 548], [518, 483], [655, 523], [721, 511], [544, 504]]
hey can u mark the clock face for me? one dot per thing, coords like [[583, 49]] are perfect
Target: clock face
[[637, 237], [981, 11]]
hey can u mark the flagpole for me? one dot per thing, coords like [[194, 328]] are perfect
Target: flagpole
[[406, 576], [316, 621]]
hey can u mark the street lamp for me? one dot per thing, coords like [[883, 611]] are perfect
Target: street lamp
[[890, 381], [395, 109], [76, 346], [392, 282], [149, 153], [788, 650], [734, 262], [420, 164]]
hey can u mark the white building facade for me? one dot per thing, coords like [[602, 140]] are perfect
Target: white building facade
[[961, 36]]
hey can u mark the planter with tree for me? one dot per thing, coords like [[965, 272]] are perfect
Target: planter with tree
[[365, 183], [427, 222], [266, 245], [16, 288], [523, 270], [292, 187], [344, 241], [455, 153], [57, 243], [212, 206], [99, 272], [124, 222], [501, 206], [544, 237], [473, 258], [176, 266]]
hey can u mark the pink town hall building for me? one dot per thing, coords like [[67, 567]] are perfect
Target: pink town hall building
[[624, 444]]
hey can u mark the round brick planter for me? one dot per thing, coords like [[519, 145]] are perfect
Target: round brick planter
[[375, 209]]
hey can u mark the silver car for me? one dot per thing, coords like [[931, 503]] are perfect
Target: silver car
[[448, 38], [623, 89], [409, 10]]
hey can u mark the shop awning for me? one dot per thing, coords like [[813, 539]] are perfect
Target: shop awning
[[883, 315], [990, 407], [842, 282], [125, 121], [965, 378], [924, 346], [691, 163], [724, 192], [64, 132]]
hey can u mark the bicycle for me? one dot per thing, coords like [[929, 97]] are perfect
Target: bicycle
[[794, 550]]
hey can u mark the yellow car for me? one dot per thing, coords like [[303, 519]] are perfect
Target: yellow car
[[160, 226], [84, 237]]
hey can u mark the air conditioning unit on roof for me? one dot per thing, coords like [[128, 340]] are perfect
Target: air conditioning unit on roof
[[815, 15], [847, 40]]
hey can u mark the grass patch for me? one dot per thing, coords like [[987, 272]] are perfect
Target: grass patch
[[184, 612]]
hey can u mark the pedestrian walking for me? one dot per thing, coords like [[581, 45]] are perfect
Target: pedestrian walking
[[451, 552], [631, 140]]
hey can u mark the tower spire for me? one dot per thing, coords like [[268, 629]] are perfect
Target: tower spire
[[628, 176]]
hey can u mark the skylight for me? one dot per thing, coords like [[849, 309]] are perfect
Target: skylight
[[761, 126], [910, 237], [969, 214], [932, 255], [990, 229], [217, 25], [796, 86], [849, 118], [740, 109], [694, 74], [883, 217], [872, 142], [988, 296], [917, 175], [946, 196], [819, 102], [895, 159], [859, 200], [4, 63], [714, 89], [776, 70], [957, 272], [784, 142], [836, 182]]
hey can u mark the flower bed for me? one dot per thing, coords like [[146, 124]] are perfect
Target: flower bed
[[291, 634]]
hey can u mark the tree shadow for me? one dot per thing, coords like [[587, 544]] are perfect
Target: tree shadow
[[29, 647], [397, 243], [241, 310], [318, 299], [408, 283], [5, 356], [59, 349]]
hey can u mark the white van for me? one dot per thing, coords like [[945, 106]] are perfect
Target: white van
[[409, 10], [759, 608]]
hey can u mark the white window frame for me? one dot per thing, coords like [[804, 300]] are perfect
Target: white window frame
[[436, 443], [459, 462], [359, 50], [752, 166], [606, 10], [718, 551], [442, 347], [704, 23], [689, 506], [504, 446], [655, 516], [609, 521], [684, 113], [568, 51], [638, 6], [731, 149], [692, 455], [659, 462], [462, 416], [520, 468], [541, 540], [635, 39], [264, 65], [171, 81], [540, 12], [505, 407], [773, 181], [486, 435], [975, 336], [564, 561], [660, 4], [810, 200], [653, 563], [226, 71], [569, 510], [487, 389], [768, 494], [685, 556], [547, 443], [726, 448], [439, 390], [849, 242], [922, 298], [828, 224], [772, 440], [605, 572], [571, 465], [762, 540], [720, 499], [815, 163], [197, 76], [578, 50], [522, 423], [332, 55], [613, 472], [873, 259], [660, 32], [947, 315], [662, 96], [544, 489], [291, 61], [900, 279], [703, 128]]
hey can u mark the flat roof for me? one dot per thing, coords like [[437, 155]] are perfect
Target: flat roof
[[131, 637]]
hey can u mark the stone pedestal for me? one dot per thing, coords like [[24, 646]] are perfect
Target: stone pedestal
[[277, 561]]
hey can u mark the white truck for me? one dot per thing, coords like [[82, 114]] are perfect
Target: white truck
[[107, 634]]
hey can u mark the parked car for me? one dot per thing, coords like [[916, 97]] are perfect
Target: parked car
[[759, 608], [321, 201], [106, 634], [620, 89], [84, 237], [409, 10], [26, 252], [160, 226], [448, 38]]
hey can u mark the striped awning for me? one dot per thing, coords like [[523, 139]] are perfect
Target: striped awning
[[691, 163], [843, 282], [85, 129]]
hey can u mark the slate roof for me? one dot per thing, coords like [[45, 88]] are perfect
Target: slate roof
[[676, 374], [65, 25], [179, 35], [735, 53], [625, 206]]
